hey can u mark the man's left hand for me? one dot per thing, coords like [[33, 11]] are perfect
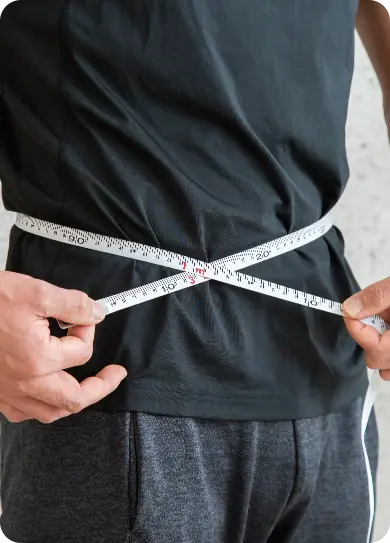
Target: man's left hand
[[373, 300]]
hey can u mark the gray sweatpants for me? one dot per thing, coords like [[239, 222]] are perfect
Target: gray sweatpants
[[122, 477]]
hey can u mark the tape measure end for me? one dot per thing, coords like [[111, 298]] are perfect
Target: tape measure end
[[64, 325]]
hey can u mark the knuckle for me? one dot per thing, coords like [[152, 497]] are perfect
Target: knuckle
[[49, 419], [20, 387], [87, 355], [41, 295], [35, 342], [8, 415], [12, 415], [19, 417], [32, 367], [60, 399], [82, 302], [75, 407], [34, 359], [13, 418], [378, 292], [88, 352]]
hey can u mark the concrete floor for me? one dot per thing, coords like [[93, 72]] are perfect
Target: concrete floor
[[363, 217]]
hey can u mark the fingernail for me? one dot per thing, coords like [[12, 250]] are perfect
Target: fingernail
[[353, 306], [98, 311], [124, 374]]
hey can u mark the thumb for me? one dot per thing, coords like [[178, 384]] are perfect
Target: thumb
[[67, 305], [370, 301]]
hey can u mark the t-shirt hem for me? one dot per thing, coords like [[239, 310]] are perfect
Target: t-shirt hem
[[164, 400]]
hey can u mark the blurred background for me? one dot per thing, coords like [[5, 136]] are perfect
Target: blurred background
[[363, 217]]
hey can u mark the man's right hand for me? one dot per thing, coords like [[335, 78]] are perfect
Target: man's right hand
[[33, 384]]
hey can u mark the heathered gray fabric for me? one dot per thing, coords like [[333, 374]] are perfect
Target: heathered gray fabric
[[99, 477]]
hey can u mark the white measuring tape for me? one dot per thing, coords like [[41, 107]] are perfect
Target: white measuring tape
[[194, 272]]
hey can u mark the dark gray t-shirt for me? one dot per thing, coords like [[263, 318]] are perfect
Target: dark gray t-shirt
[[204, 127]]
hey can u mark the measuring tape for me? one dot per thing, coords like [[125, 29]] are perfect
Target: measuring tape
[[196, 271], [224, 270]]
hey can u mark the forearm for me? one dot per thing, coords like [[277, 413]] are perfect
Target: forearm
[[373, 26]]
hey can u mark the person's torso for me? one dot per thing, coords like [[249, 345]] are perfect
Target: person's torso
[[203, 127]]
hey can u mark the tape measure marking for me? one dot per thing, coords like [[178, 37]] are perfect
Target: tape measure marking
[[197, 271]]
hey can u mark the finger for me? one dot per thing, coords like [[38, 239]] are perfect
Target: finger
[[58, 354], [72, 306], [48, 354], [385, 315], [366, 336], [69, 351], [84, 333], [385, 374], [375, 345], [370, 301], [38, 410], [59, 390], [102, 384], [13, 414], [60, 394]]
